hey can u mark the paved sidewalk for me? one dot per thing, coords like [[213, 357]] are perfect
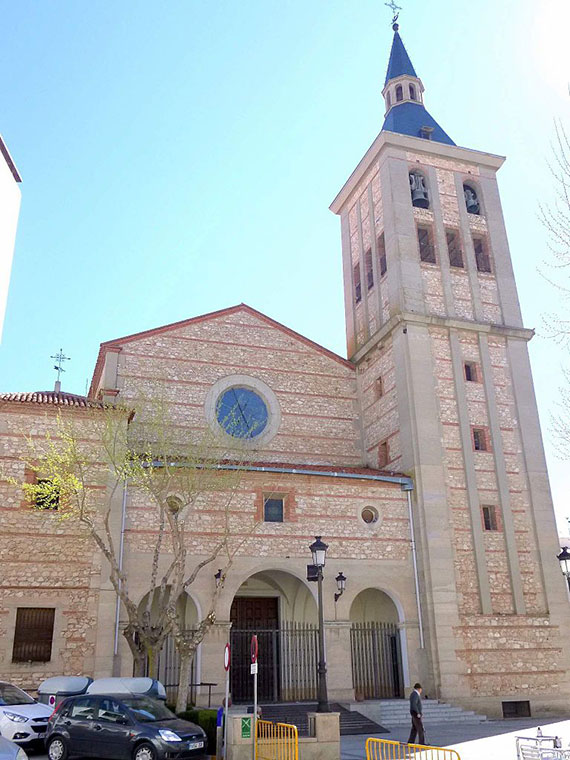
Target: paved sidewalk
[[492, 740]]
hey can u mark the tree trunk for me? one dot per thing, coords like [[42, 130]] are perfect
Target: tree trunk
[[139, 663], [152, 655], [184, 681]]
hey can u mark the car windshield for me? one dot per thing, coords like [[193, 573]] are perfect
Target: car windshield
[[11, 695], [148, 710]]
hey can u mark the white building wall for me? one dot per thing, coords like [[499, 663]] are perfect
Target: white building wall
[[10, 198]]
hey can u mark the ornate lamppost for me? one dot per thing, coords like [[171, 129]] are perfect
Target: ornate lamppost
[[564, 559], [319, 551]]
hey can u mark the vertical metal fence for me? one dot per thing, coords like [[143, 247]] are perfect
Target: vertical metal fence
[[376, 660], [168, 671], [383, 749], [276, 741], [287, 663]]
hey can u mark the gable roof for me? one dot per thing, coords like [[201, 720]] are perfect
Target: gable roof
[[117, 343]]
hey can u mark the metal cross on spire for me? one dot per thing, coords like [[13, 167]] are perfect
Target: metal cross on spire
[[59, 358], [394, 8]]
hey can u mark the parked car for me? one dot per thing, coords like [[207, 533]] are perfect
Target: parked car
[[22, 719], [123, 728], [10, 751]]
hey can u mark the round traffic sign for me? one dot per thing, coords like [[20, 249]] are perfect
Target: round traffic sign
[[254, 648], [227, 657]]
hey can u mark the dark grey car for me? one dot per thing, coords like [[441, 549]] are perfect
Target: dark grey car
[[122, 728]]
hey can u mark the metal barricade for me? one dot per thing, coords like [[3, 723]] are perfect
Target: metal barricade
[[383, 749], [276, 741], [540, 748]]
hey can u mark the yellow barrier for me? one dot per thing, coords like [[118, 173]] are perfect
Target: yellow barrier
[[276, 741], [383, 749]]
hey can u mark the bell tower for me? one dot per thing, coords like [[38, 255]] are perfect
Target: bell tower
[[434, 328]]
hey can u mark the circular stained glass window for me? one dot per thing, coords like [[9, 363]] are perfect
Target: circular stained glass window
[[242, 413]]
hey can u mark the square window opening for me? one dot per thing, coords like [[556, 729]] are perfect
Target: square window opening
[[379, 387], [47, 496], [273, 508], [33, 635], [383, 455], [471, 375], [519, 708]]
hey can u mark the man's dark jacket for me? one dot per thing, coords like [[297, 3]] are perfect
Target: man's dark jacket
[[415, 703]]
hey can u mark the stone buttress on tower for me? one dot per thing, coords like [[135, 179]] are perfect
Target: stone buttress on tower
[[434, 328]]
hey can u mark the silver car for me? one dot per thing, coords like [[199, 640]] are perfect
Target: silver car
[[11, 751]]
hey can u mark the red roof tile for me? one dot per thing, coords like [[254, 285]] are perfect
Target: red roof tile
[[52, 397]]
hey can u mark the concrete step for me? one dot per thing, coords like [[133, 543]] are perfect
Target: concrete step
[[396, 712], [351, 721]]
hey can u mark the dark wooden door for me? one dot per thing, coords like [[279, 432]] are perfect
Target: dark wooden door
[[260, 616]]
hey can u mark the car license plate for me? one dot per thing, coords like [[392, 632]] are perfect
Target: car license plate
[[195, 745]]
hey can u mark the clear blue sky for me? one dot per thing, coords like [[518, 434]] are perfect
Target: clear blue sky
[[180, 157]]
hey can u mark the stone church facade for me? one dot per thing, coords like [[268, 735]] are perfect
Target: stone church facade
[[419, 460]]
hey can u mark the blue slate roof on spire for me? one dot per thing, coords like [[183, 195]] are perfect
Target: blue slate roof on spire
[[399, 62], [409, 118]]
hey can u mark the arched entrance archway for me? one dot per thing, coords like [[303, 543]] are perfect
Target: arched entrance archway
[[168, 659], [281, 611], [376, 646]]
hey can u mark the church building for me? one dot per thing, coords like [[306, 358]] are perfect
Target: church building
[[418, 459]]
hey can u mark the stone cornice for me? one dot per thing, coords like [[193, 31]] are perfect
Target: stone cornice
[[417, 145], [407, 318]]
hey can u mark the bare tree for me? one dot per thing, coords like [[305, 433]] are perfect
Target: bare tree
[[142, 450], [556, 219]]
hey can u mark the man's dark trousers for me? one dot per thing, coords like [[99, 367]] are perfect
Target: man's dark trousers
[[417, 728]]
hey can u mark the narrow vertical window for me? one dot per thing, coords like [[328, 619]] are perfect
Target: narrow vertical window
[[427, 251], [471, 374], [379, 387], [369, 270], [489, 514], [382, 254], [481, 254], [357, 286], [383, 455], [412, 92], [471, 201], [399, 93], [454, 248], [388, 99], [480, 439]]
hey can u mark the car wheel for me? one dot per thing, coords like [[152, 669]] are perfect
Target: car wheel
[[57, 749], [144, 752]]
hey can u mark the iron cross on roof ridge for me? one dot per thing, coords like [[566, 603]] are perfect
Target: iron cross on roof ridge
[[58, 366]]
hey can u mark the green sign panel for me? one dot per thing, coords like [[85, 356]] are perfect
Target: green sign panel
[[246, 728]]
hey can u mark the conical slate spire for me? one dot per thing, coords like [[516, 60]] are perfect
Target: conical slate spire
[[399, 62], [403, 92]]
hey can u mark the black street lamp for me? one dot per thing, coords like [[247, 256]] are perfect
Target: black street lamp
[[319, 551], [564, 559], [341, 585]]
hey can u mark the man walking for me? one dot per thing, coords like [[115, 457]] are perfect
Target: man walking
[[416, 713]]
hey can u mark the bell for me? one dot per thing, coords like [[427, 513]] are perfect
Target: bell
[[420, 198], [472, 205]]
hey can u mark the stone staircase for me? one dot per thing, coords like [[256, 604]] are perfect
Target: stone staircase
[[396, 712], [351, 721]]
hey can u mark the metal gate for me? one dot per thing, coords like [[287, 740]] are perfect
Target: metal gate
[[276, 741], [287, 663], [376, 660], [168, 671]]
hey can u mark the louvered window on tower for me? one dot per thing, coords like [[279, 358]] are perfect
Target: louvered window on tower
[[369, 270], [454, 248], [357, 285], [382, 255], [481, 254], [427, 251], [399, 93], [33, 634]]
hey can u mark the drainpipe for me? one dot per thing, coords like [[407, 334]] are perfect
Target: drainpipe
[[121, 552], [415, 563]]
